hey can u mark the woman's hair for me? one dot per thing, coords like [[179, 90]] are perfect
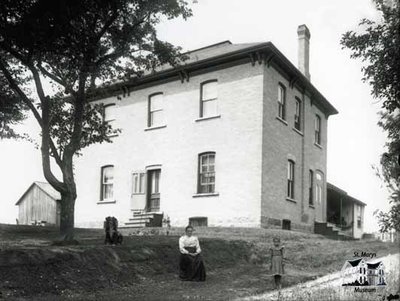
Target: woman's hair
[[188, 227]]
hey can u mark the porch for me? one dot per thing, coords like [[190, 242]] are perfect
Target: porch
[[344, 212]]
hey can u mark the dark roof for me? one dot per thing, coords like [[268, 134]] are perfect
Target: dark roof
[[335, 188], [46, 188], [354, 262], [344, 194], [218, 55], [373, 265]]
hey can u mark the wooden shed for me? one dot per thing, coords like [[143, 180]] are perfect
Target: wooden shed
[[40, 204]]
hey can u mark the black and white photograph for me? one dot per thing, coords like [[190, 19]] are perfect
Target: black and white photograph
[[199, 150]]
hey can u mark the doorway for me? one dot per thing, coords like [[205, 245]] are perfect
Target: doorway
[[153, 188]]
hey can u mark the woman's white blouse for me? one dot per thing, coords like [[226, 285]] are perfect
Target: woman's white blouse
[[186, 241]]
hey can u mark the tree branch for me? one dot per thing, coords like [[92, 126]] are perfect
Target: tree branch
[[55, 78], [45, 115], [46, 159], [106, 26]]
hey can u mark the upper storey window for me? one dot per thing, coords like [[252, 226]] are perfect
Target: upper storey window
[[156, 112], [297, 115], [109, 114], [317, 129], [209, 99], [282, 101]]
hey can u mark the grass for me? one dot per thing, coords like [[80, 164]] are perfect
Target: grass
[[145, 266]]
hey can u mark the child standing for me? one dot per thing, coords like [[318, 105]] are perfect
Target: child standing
[[277, 256]]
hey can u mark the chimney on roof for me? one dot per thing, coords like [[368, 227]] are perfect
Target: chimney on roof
[[304, 35]]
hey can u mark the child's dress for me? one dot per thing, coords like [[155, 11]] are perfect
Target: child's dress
[[277, 260]]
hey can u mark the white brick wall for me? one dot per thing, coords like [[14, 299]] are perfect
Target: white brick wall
[[236, 137]]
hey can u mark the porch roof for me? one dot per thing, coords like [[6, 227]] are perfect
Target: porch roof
[[344, 194]]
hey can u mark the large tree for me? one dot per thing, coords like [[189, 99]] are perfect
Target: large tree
[[377, 44], [74, 45]]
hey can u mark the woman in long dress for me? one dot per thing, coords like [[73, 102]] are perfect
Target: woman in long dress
[[191, 266]]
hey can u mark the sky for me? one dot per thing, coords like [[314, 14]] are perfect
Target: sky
[[355, 142]]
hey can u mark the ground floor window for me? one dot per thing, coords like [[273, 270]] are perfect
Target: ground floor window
[[206, 176], [107, 183], [286, 224], [138, 182], [198, 221], [290, 179]]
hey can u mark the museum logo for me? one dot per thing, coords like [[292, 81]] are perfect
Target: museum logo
[[358, 272]]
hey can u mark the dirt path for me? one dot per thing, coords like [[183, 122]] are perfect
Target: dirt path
[[330, 287]]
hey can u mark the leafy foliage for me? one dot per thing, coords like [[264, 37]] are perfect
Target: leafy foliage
[[378, 46], [76, 45]]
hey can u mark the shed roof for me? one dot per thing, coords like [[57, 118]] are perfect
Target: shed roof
[[45, 187]]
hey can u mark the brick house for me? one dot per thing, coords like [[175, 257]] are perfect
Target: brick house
[[236, 136]]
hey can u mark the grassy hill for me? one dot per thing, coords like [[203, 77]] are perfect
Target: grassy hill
[[145, 266]]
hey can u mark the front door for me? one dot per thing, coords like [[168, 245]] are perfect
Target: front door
[[153, 195]]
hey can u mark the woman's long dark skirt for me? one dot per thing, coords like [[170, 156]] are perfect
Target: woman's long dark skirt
[[191, 268]]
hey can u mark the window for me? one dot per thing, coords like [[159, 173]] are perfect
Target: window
[[138, 185], [208, 99], [198, 221], [297, 115], [206, 180], [282, 102], [317, 130], [154, 180], [318, 187], [359, 216], [109, 114], [290, 179], [156, 113], [107, 183], [286, 224], [311, 188]]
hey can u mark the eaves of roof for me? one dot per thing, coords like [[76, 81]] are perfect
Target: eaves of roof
[[265, 53]]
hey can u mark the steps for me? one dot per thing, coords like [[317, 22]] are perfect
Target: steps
[[331, 231], [144, 219]]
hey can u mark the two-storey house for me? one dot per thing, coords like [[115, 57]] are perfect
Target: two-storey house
[[235, 136]]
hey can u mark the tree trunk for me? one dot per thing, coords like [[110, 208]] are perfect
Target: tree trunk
[[68, 198], [67, 216]]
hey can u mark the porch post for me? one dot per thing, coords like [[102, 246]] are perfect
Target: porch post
[[340, 213]]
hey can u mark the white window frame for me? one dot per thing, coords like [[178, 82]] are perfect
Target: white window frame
[[209, 186], [311, 187], [106, 118], [103, 184], [317, 129], [290, 179], [204, 100], [319, 177], [150, 121], [138, 182], [297, 114], [281, 101]]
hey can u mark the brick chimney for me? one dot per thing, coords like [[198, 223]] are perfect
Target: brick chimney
[[304, 35]]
